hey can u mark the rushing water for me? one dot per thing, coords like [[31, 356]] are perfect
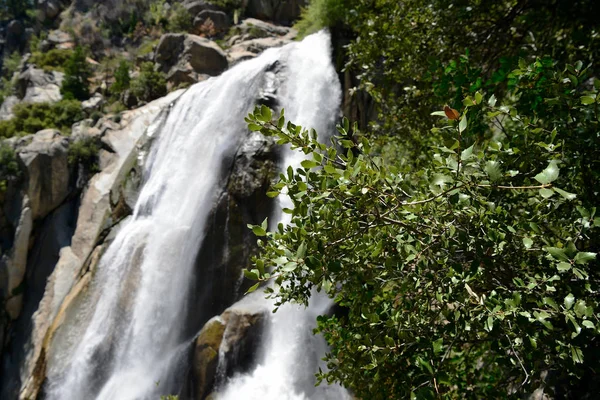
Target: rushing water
[[134, 339]]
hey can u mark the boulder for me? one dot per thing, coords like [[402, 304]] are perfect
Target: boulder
[[196, 7], [47, 170], [7, 107], [252, 28], [15, 36], [48, 10], [211, 22], [252, 48], [60, 40], [35, 85], [94, 103], [205, 57], [232, 339], [185, 58], [280, 11]]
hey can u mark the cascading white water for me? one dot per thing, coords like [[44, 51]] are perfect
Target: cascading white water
[[134, 337], [290, 354]]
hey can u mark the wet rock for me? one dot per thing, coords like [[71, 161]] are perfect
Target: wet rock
[[232, 338], [69, 276], [252, 48]]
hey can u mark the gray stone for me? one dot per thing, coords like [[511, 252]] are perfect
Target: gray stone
[[189, 53], [280, 11], [196, 7], [47, 171], [7, 107], [35, 85], [94, 103], [49, 9], [211, 22]]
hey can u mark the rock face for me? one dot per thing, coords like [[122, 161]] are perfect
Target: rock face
[[253, 36], [97, 213], [45, 160], [46, 185], [281, 11], [185, 58], [33, 85], [232, 339]]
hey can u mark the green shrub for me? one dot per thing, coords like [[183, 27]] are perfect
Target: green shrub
[[320, 14], [77, 73], [180, 20], [150, 84], [9, 167], [84, 152], [122, 78], [30, 118], [475, 277], [52, 60], [11, 64]]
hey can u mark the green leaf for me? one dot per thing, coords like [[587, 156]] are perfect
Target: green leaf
[[557, 253], [254, 127], [563, 266], [466, 153], [289, 267], [253, 288], [438, 345], [584, 257], [588, 324], [587, 100], [549, 174], [439, 113], [492, 101], [492, 169], [462, 125], [569, 301], [478, 98], [308, 164], [527, 242], [301, 250], [566, 195], [253, 276], [266, 113], [577, 355], [258, 231], [546, 193]]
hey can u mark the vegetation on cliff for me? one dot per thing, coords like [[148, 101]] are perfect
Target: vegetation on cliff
[[458, 231]]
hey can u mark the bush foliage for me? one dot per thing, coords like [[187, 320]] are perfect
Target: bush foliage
[[150, 84], [30, 118], [458, 230]]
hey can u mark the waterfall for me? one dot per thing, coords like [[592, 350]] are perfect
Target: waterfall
[[290, 354], [134, 341]]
